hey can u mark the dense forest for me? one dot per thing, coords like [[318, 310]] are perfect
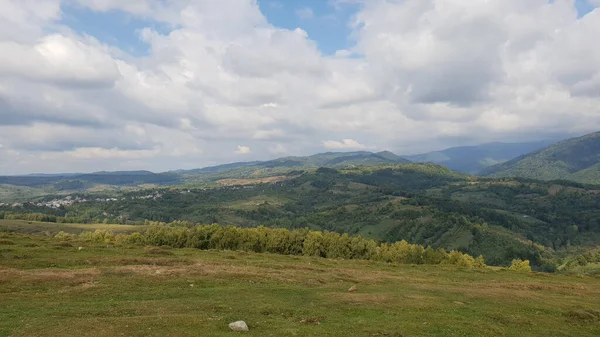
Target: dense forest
[[575, 159], [501, 219]]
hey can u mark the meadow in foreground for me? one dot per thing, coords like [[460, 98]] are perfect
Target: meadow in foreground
[[52, 288]]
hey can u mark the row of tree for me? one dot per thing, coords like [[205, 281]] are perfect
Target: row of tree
[[286, 242]]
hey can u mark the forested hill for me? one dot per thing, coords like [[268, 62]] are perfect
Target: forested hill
[[473, 159], [328, 159], [502, 219], [576, 159]]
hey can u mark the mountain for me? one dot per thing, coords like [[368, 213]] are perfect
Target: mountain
[[576, 159], [338, 159], [328, 159], [473, 159], [79, 181], [42, 184]]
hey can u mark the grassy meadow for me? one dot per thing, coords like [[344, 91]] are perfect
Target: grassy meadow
[[50, 287]]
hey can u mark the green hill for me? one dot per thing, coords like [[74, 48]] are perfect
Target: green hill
[[17, 188], [574, 159], [328, 159], [50, 287], [427, 204], [473, 159]]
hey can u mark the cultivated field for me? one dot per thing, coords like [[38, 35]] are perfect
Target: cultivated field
[[50, 287]]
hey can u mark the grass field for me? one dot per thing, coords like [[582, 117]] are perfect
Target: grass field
[[52, 288], [29, 227]]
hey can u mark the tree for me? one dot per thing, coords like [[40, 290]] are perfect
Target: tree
[[520, 266]]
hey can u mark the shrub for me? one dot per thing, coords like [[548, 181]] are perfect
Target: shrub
[[99, 235], [63, 236], [521, 266], [459, 259], [281, 241], [480, 263], [548, 267]]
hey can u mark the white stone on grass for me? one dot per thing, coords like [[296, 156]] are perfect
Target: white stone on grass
[[238, 326]]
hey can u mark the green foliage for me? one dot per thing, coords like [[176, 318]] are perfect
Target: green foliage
[[280, 241], [425, 204], [63, 236], [521, 266], [479, 262], [99, 235], [574, 159]]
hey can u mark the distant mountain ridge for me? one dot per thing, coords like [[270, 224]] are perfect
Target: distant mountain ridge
[[72, 181], [474, 159], [576, 159], [327, 159]]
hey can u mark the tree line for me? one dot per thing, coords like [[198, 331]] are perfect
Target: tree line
[[303, 242]]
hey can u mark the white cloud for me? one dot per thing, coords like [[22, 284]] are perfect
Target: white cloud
[[422, 74], [345, 144], [243, 150], [305, 13], [102, 153], [277, 149]]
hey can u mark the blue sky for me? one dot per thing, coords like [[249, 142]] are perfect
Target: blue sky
[[325, 22], [584, 6]]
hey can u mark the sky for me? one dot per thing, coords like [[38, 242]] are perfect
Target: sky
[[91, 85]]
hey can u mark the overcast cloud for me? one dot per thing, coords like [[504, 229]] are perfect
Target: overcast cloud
[[222, 84]]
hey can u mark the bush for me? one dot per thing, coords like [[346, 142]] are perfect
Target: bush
[[459, 259], [63, 236], [100, 235], [548, 267], [480, 263], [281, 241], [521, 266]]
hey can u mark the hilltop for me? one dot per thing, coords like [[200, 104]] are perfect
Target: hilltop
[[473, 159], [19, 188], [50, 287], [576, 159]]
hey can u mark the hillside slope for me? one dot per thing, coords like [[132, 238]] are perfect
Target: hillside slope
[[574, 159], [473, 159], [131, 290], [421, 203], [18, 188]]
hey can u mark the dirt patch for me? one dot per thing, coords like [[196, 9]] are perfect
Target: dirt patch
[[41, 275], [157, 251], [583, 316]]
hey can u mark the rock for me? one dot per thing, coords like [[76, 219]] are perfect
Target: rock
[[238, 326], [80, 248], [353, 289]]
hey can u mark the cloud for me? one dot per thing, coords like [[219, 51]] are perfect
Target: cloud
[[305, 13], [102, 153], [345, 144], [277, 149], [243, 150], [418, 75]]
